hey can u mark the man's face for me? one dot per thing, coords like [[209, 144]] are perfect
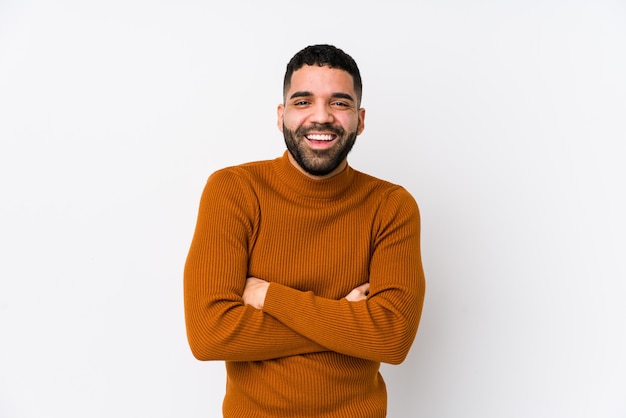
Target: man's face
[[320, 119]]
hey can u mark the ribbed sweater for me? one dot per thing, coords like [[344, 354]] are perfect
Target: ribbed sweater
[[309, 352]]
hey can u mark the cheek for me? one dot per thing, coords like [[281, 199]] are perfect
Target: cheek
[[291, 122], [349, 122]]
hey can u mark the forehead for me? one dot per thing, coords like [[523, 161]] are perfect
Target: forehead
[[320, 80]]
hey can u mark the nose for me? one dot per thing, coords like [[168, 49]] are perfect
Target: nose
[[322, 113]]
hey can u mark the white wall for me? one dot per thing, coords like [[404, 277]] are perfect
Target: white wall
[[506, 120]]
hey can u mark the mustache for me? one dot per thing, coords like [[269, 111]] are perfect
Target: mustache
[[316, 127]]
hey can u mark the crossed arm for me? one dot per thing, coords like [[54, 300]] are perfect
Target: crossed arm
[[234, 318], [256, 289]]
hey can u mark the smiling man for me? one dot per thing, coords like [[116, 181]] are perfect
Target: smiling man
[[304, 274]]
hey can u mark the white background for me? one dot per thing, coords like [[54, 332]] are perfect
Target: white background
[[505, 120]]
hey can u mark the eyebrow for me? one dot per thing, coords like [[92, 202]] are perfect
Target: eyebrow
[[337, 95]]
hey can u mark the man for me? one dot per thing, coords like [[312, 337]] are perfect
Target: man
[[303, 273]]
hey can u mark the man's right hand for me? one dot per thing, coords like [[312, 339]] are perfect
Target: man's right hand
[[359, 293]]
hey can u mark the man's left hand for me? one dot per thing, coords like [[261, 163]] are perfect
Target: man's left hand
[[254, 292]]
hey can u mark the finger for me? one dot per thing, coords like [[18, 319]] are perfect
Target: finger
[[364, 288]]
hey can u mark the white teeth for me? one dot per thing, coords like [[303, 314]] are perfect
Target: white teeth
[[320, 137]]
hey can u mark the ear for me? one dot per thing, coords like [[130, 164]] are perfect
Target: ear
[[361, 126], [280, 113]]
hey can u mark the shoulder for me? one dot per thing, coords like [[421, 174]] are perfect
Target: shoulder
[[394, 204], [238, 185], [234, 190], [242, 174], [249, 169], [384, 189]]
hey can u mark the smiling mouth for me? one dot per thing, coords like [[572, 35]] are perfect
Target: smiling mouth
[[320, 137]]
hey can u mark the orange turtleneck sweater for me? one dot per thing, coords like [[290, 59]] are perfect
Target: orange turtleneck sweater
[[310, 352]]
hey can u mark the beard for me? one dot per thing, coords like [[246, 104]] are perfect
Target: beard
[[319, 162]]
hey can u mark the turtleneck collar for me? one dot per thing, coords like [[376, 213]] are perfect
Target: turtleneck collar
[[330, 188]]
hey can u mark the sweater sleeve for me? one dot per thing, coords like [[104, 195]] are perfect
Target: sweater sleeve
[[219, 325], [383, 327]]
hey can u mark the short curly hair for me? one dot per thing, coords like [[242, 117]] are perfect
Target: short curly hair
[[324, 55]]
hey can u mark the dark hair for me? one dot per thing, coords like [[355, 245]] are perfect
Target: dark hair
[[324, 55]]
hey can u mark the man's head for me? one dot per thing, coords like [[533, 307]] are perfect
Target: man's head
[[320, 116], [324, 56]]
